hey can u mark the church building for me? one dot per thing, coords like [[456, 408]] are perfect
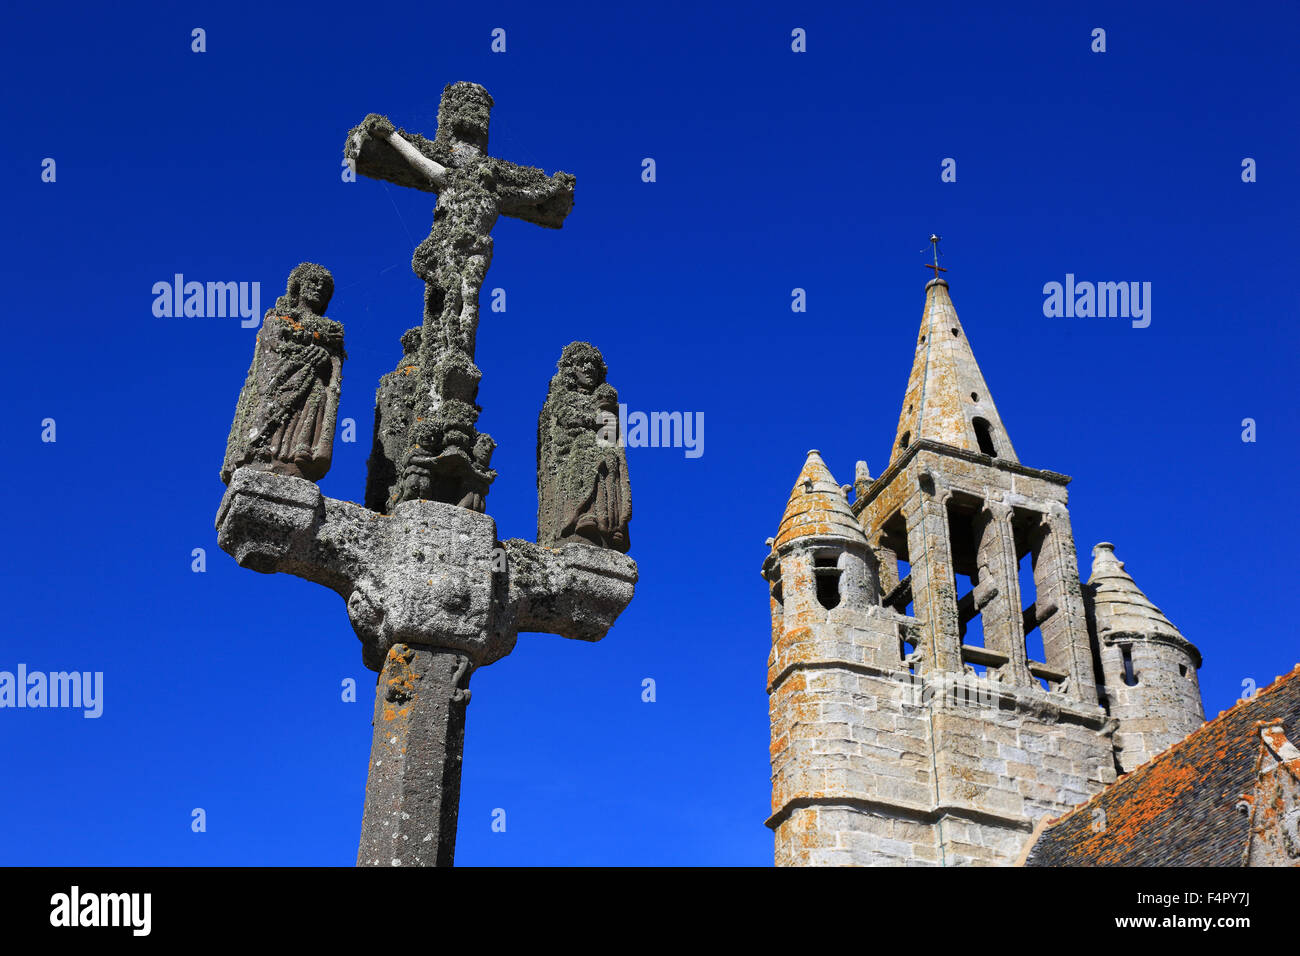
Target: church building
[[945, 689]]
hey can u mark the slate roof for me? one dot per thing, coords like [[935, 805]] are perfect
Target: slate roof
[[1180, 808]]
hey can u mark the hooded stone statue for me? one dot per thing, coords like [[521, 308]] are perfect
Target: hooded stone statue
[[583, 493], [284, 422]]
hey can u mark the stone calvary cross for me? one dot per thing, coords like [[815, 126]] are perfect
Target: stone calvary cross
[[430, 590]]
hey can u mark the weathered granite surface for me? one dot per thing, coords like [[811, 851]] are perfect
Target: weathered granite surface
[[430, 590], [583, 491], [431, 574], [428, 445], [284, 421], [432, 594]]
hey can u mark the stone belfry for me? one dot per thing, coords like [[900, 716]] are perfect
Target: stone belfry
[[978, 529], [930, 703]]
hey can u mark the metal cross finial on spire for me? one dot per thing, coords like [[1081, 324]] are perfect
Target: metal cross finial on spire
[[934, 244]]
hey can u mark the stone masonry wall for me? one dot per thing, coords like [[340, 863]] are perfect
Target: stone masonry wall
[[1003, 760], [1164, 706]]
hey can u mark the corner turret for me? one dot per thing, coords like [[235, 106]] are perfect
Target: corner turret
[[1148, 669]]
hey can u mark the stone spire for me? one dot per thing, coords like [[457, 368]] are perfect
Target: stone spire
[[817, 507], [947, 400]]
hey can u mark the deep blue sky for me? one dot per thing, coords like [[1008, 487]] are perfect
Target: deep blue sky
[[775, 170]]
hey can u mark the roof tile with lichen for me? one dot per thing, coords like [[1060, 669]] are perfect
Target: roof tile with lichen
[[1181, 807]]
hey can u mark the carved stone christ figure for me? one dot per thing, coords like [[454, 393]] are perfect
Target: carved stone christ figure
[[430, 448], [583, 493], [284, 422]]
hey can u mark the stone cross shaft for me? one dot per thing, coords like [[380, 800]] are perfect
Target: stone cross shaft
[[433, 595]]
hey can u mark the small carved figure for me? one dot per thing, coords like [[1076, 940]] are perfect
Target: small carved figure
[[583, 493], [284, 422], [396, 402]]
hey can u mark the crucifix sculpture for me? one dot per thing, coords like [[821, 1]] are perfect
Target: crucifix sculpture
[[430, 590], [426, 443]]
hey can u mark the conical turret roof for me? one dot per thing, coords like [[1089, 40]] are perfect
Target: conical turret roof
[[947, 399], [817, 507], [1119, 604]]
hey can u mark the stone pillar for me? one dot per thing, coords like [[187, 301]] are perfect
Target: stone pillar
[[998, 592], [1065, 630], [858, 588], [887, 563], [413, 791], [934, 590]]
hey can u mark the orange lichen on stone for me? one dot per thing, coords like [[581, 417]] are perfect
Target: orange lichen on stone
[[401, 683], [1143, 818], [817, 507]]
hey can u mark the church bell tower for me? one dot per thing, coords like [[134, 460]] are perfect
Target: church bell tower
[[956, 703]]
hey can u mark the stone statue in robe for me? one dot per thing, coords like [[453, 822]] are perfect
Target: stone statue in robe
[[583, 493], [284, 422], [396, 404]]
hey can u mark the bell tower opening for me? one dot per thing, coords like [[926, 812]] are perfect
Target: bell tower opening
[[1035, 652], [963, 544]]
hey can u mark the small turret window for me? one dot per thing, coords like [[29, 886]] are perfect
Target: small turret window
[[1130, 674], [827, 576], [984, 435], [904, 439]]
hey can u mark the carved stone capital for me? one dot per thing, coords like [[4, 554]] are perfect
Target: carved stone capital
[[995, 511]]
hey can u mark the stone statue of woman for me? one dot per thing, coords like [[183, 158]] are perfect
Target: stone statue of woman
[[583, 493], [284, 422]]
